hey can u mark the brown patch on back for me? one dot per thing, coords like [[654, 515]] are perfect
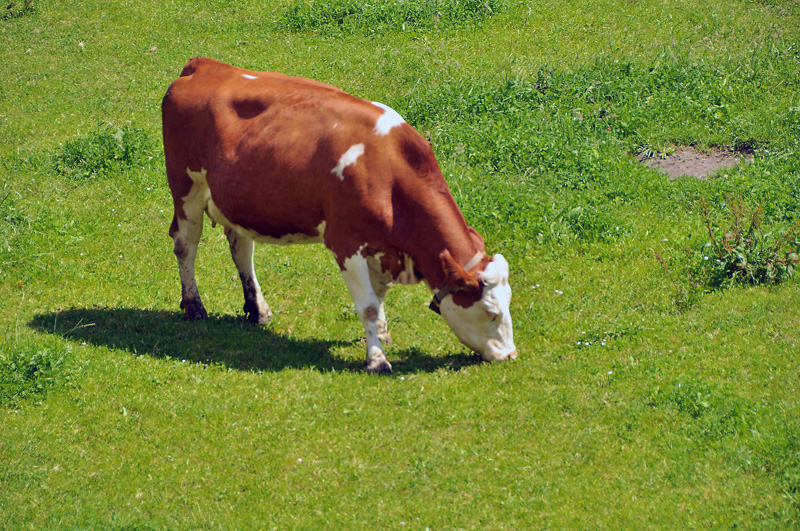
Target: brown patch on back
[[247, 109], [417, 154]]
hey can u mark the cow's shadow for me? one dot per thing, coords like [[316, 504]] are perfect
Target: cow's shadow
[[224, 340]]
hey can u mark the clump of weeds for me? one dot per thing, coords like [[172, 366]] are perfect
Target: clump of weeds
[[103, 152], [745, 250]]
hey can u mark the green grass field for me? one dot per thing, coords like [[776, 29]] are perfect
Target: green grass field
[[654, 390]]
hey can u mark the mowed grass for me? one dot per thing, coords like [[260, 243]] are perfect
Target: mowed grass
[[643, 396]]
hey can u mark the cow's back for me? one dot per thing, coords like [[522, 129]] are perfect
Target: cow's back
[[266, 146], [282, 155]]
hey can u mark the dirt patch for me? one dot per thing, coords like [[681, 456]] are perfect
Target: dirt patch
[[688, 162]]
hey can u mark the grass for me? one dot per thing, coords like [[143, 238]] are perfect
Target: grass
[[644, 396], [379, 17]]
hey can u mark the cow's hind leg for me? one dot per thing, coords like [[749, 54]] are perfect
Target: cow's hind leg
[[356, 276], [380, 285], [255, 307], [186, 233], [383, 326]]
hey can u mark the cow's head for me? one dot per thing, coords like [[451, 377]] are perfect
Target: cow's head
[[477, 309]]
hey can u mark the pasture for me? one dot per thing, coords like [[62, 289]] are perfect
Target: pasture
[[653, 389]]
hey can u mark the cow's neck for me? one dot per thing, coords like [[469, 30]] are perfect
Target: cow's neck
[[439, 225]]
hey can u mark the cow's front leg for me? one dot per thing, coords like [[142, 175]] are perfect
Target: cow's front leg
[[255, 307], [356, 276]]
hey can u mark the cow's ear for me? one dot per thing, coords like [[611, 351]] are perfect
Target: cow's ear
[[455, 276]]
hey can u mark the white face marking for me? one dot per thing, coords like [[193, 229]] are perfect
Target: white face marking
[[486, 326], [348, 158], [388, 119], [248, 76]]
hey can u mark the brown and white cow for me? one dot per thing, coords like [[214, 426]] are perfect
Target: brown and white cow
[[280, 159]]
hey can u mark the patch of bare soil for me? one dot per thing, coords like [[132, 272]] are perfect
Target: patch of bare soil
[[688, 162]]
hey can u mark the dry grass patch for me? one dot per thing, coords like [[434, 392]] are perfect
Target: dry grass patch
[[689, 162]]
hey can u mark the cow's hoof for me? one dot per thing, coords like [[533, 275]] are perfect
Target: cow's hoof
[[379, 366], [260, 318], [257, 315], [193, 310]]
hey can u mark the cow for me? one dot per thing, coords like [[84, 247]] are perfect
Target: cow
[[288, 160]]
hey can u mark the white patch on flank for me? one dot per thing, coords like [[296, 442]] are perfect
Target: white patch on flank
[[197, 176], [388, 119], [197, 198], [248, 76], [297, 238], [349, 158]]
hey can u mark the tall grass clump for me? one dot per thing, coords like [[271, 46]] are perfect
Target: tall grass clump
[[29, 370], [353, 16], [104, 151]]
